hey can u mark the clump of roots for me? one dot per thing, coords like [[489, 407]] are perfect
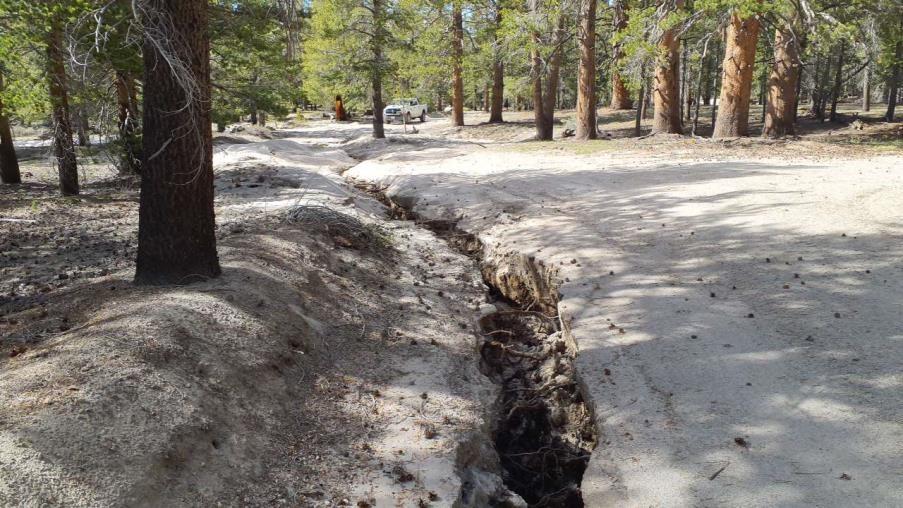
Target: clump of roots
[[544, 434]]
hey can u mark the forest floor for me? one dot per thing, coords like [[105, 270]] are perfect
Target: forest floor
[[734, 307]]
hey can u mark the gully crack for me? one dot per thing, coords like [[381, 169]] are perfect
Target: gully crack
[[543, 431]]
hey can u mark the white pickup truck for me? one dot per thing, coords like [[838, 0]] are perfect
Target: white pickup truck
[[404, 110]]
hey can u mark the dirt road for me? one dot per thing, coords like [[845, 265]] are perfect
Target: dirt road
[[737, 319]]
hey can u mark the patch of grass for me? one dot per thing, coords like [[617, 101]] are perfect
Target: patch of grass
[[881, 143]]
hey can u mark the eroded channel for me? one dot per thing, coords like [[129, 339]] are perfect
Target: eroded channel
[[542, 432]]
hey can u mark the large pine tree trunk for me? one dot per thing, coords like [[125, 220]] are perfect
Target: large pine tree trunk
[[176, 224], [63, 149], [586, 81], [736, 83], [665, 92], [9, 163], [620, 96], [894, 85], [457, 66], [782, 85]]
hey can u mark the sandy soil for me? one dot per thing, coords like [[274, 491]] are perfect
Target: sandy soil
[[333, 363], [735, 307]]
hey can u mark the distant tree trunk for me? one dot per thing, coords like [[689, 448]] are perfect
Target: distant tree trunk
[[620, 95], [498, 72], [586, 87], [81, 127], [894, 87], [457, 66], [9, 163], [550, 98], [838, 81], [706, 92], [126, 121], [866, 90], [376, 72], [638, 119], [63, 149], [498, 92], [176, 224], [340, 114], [684, 83], [782, 85], [736, 83], [486, 99], [701, 81], [665, 93], [377, 103], [814, 92], [539, 118]]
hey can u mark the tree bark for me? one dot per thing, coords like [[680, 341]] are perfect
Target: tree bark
[[665, 93], [498, 92], [457, 66], [550, 97], [586, 80], [866, 90], [838, 81], [782, 85], [894, 87], [9, 162], [376, 71], [340, 114], [127, 120], [539, 117], [63, 149], [498, 72], [82, 128], [638, 118], [176, 223], [736, 83], [620, 95]]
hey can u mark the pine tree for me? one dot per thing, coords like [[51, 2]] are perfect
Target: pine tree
[[176, 228]]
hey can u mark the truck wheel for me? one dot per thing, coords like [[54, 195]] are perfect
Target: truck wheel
[[422, 116]]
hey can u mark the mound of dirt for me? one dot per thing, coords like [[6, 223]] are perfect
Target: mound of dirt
[[311, 373]]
